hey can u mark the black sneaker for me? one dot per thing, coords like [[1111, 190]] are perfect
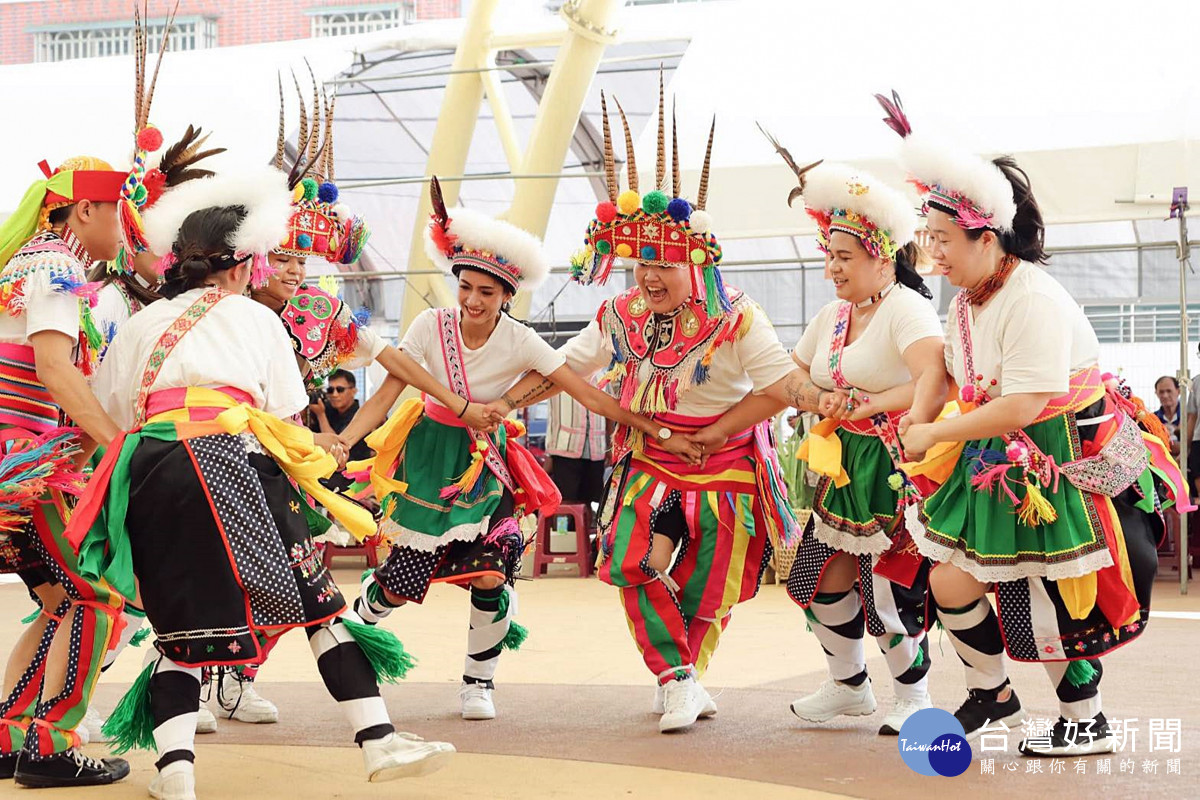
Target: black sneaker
[[982, 710], [69, 768], [1072, 738], [8, 764]]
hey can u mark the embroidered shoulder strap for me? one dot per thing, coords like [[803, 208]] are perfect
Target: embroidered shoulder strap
[[962, 308], [451, 337], [841, 332], [167, 342]]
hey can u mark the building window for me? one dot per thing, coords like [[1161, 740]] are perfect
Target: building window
[[63, 43], [361, 19]]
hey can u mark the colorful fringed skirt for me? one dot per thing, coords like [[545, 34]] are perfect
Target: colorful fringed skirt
[[1063, 520], [863, 518], [454, 519]]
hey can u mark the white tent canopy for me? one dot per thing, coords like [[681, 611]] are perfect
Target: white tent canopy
[[1103, 125]]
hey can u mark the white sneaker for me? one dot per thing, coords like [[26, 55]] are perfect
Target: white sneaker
[[403, 755], [834, 699], [178, 786], [710, 705], [94, 724], [241, 701], [682, 703], [206, 721], [477, 701], [902, 709]]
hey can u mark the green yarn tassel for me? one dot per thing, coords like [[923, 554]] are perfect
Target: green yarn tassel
[[1080, 673], [31, 617], [712, 296], [897, 639], [140, 637], [920, 659], [387, 655], [516, 636], [131, 724], [517, 633], [810, 616]]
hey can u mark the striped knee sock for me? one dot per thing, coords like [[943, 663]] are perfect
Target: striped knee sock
[[484, 639], [908, 661], [350, 680], [837, 620], [174, 700], [1077, 684], [372, 604], [974, 631]]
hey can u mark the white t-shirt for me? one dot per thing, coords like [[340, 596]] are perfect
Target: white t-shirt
[[238, 343], [751, 363], [874, 361], [512, 350], [1030, 337]]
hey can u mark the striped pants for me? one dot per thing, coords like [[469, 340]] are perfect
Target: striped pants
[[37, 713], [677, 619]]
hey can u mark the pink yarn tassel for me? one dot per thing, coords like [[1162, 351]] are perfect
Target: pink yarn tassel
[[506, 527]]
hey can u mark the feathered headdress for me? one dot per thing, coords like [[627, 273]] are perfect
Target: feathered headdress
[[147, 181], [968, 187], [655, 228], [461, 238], [262, 192], [320, 225], [841, 198]]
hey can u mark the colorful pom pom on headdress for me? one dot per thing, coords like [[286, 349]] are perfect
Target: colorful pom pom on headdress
[[321, 225], [657, 227]]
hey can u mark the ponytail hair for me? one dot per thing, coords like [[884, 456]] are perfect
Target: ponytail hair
[[1027, 239], [202, 249], [905, 263]]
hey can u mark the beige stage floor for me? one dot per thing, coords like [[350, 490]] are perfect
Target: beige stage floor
[[574, 713]]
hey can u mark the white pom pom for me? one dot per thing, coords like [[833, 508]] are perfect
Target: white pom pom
[[700, 222], [342, 211]]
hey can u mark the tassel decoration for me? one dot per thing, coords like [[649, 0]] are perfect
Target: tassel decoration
[[1080, 673], [386, 654], [471, 476], [1035, 509], [131, 724]]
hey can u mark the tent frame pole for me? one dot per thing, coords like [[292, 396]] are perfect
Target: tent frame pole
[[1185, 387]]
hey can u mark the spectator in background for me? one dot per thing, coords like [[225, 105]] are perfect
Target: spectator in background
[[1167, 389], [332, 413], [577, 442]]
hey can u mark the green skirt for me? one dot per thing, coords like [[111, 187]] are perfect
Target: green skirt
[[978, 529], [858, 518], [433, 457]]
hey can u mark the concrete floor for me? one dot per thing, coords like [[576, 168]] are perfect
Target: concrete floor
[[574, 713]]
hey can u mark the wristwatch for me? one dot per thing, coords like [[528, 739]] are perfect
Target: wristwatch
[[664, 433]]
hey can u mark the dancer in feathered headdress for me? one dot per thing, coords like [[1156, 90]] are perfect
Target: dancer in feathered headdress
[[684, 348], [1050, 488], [869, 359], [451, 491]]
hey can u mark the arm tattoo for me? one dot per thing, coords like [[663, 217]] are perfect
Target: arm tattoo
[[805, 397], [535, 392]]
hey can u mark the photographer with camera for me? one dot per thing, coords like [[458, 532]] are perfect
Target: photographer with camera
[[331, 411]]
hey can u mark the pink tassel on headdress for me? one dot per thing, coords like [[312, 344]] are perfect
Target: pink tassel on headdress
[[260, 270], [165, 263], [967, 216]]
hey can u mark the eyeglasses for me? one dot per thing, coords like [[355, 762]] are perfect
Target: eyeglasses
[[337, 389]]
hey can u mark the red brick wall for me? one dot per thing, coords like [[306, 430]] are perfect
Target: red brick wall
[[238, 21]]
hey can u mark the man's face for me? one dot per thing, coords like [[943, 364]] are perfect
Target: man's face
[[341, 394]]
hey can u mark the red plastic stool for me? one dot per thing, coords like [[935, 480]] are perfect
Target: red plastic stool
[[369, 548], [543, 556]]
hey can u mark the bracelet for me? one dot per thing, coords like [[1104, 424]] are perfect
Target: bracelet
[[466, 405]]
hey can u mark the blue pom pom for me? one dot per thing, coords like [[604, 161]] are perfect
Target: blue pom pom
[[648, 253], [327, 193], [679, 209], [304, 240]]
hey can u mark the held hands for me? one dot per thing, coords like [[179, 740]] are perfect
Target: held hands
[[833, 404], [916, 438], [481, 417], [334, 446], [685, 448]]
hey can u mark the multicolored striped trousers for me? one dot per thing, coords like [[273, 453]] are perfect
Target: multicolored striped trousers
[[677, 618]]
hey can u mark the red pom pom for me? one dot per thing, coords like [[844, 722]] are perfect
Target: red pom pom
[[150, 139], [606, 212], [442, 238], [155, 182]]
